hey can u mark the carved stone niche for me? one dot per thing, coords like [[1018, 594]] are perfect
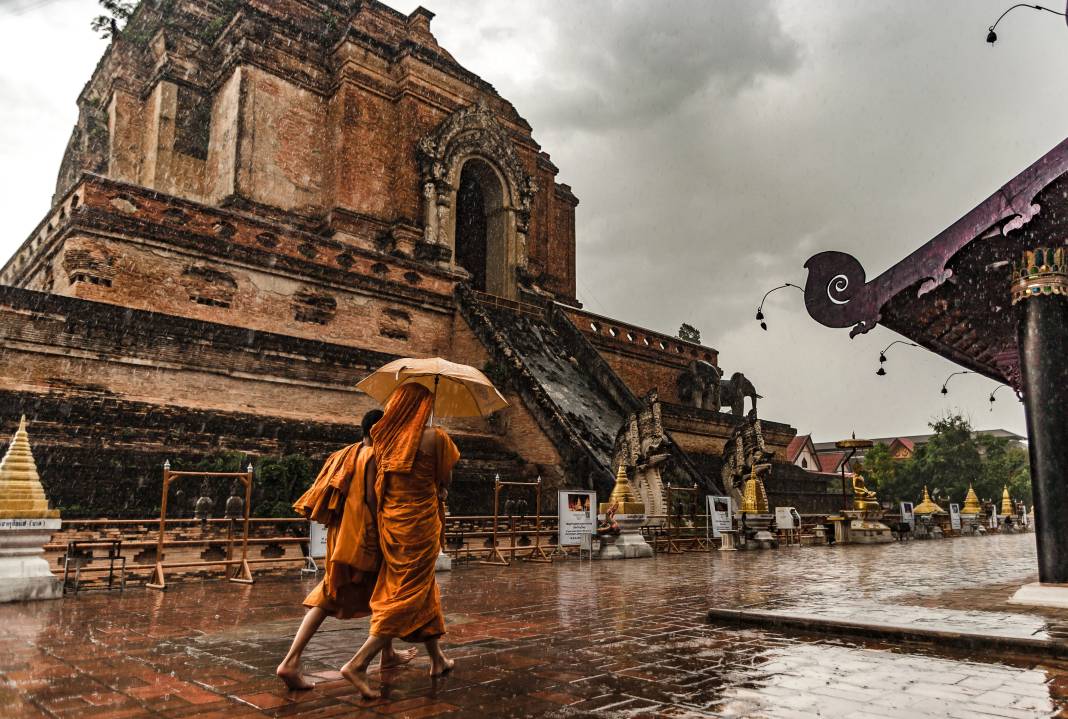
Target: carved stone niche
[[314, 307], [85, 262], [395, 323], [209, 286], [469, 133]]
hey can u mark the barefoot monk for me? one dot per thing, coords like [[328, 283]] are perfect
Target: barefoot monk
[[337, 499], [413, 467]]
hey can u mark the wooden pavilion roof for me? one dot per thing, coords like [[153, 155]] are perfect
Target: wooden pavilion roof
[[952, 294]]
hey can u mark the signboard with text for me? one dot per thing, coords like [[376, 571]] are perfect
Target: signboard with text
[[316, 540], [784, 518], [577, 509], [719, 514], [907, 516], [954, 516]]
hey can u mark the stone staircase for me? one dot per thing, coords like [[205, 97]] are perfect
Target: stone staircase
[[576, 398], [573, 395]]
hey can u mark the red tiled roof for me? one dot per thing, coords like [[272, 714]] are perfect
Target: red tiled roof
[[829, 461], [796, 445]]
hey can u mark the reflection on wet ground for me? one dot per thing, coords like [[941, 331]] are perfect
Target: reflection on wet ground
[[567, 640]]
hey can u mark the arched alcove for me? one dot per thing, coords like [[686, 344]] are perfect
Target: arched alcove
[[477, 199], [481, 233]]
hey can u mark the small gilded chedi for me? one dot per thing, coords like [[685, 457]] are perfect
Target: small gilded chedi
[[21, 493]]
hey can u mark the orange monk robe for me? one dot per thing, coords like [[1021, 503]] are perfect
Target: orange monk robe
[[406, 602], [336, 499]]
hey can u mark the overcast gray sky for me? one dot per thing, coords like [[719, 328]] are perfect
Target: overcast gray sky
[[715, 146]]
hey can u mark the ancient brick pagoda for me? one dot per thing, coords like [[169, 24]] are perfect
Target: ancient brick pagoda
[[261, 202]]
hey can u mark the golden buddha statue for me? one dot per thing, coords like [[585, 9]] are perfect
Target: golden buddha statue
[[864, 499]]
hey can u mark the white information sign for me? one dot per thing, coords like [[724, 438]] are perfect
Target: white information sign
[[577, 509], [316, 540], [34, 523], [719, 512], [784, 518], [954, 516], [907, 515]]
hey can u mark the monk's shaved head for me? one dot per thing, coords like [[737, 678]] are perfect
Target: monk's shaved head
[[369, 420]]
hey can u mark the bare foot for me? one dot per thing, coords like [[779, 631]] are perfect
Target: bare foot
[[290, 674], [441, 666], [397, 659], [358, 678]]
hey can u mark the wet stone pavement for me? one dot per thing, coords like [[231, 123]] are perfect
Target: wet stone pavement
[[615, 639]]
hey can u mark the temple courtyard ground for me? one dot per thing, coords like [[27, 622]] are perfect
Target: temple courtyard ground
[[572, 639]]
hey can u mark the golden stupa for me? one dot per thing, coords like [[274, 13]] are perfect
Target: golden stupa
[[971, 502], [1006, 502], [927, 506], [623, 496], [754, 498], [21, 493]]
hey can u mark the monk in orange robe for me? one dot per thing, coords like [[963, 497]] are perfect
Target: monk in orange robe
[[413, 467], [337, 500]]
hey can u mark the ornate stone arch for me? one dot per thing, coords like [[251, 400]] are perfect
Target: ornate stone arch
[[473, 133]]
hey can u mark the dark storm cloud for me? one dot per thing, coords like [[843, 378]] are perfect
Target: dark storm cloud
[[626, 64]]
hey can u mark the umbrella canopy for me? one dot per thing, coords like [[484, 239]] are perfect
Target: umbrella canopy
[[459, 390]]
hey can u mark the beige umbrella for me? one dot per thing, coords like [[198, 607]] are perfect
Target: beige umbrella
[[459, 390]]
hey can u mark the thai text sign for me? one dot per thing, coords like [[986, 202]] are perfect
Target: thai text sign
[[719, 514], [577, 509], [30, 523]]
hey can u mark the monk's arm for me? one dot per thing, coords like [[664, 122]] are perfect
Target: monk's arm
[[438, 442]]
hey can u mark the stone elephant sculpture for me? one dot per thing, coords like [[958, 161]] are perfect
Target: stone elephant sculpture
[[733, 391], [699, 385]]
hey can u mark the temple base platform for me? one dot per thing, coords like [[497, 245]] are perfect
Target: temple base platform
[[1038, 594]]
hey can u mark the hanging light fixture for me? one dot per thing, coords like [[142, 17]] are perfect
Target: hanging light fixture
[[945, 385], [882, 355], [992, 36], [760, 308]]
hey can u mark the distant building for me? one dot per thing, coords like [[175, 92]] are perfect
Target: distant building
[[802, 452], [831, 458]]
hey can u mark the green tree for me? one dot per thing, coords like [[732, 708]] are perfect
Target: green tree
[[948, 462], [689, 333], [880, 472], [1004, 463], [277, 481], [117, 13]]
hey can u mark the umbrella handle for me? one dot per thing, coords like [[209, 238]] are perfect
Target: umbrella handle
[[433, 406]]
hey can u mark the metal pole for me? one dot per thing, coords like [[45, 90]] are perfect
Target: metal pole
[[163, 510]]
